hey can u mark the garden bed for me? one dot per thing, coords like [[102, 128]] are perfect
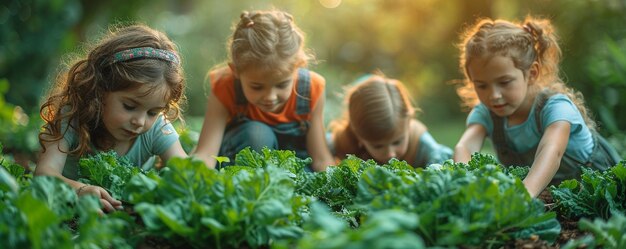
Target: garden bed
[[269, 200]]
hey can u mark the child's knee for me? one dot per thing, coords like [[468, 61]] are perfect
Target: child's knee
[[258, 135]]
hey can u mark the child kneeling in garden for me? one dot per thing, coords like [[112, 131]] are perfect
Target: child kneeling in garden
[[380, 124], [519, 101], [123, 96]]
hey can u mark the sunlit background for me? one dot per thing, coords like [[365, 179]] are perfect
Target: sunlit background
[[410, 40]]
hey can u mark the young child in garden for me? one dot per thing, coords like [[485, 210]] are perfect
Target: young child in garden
[[519, 101], [379, 124], [122, 96], [265, 96]]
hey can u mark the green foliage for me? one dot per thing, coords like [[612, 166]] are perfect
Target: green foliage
[[384, 229], [38, 216], [457, 205], [26, 227], [7, 182], [594, 61], [607, 70], [12, 175], [283, 159], [195, 206], [269, 200], [337, 186], [109, 171], [33, 35], [479, 161], [603, 233], [18, 130], [596, 194]]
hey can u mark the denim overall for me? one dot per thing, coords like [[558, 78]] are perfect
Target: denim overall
[[602, 157], [242, 132]]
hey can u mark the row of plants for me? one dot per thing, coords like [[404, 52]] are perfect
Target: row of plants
[[269, 199]]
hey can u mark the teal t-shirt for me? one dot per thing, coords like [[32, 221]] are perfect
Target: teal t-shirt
[[525, 136], [430, 151], [154, 142]]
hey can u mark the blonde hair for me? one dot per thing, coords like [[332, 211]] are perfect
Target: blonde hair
[[268, 40], [376, 106], [534, 40], [76, 97]]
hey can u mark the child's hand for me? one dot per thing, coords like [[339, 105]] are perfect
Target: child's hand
[[109, 204]]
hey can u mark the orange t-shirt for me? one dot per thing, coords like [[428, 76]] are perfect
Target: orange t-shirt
[[223, 87]]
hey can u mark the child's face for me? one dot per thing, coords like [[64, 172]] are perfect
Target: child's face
[[267, 91], [129, 113], [500, 86], [395, 146]]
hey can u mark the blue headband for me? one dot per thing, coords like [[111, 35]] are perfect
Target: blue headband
[[145, 52]]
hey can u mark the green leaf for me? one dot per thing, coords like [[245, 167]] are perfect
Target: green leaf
[[222, 159], [7, 182]]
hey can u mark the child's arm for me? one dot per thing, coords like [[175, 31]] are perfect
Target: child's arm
[[548, 157], [212, 133], [52, 162], [175, 150], [316, 139], [471, 141]]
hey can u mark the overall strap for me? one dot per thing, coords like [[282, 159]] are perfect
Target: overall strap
[[540, 101], [303, 92], [506, 155], [499, 139], [241, 102]]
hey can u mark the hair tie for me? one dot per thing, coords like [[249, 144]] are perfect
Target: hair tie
[[249, 24], [145, 52], [527, 28]]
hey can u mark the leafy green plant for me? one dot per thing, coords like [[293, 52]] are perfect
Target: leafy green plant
[[337, 186], [194, 206], [603, 233], [479, 205], [221, 159], [384, 229], [596, 194], [108, 170], [40, 215], [284, 159], [12, 175]]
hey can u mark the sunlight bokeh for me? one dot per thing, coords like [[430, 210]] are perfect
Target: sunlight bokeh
[[330, 3]]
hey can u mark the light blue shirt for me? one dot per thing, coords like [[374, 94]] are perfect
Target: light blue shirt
[[154, 142], [525, 136], [430, 151]]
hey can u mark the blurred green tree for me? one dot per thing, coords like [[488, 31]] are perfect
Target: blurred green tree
[[33, 34]]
